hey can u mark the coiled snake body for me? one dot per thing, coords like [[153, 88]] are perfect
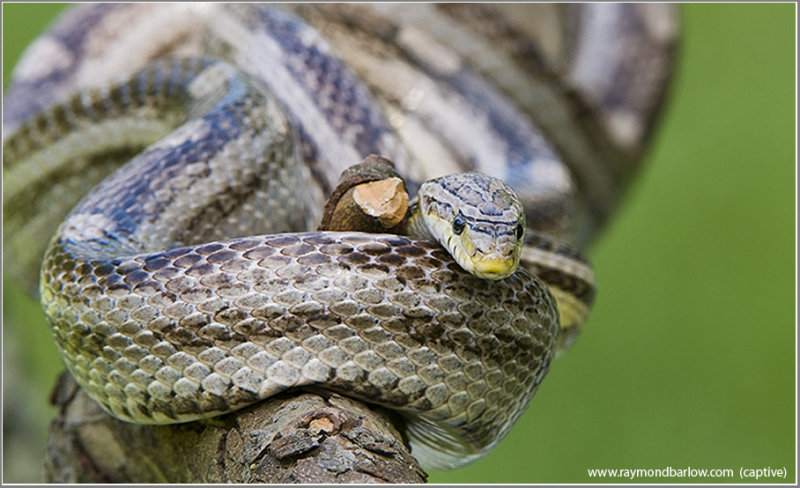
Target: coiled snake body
[[185, 284]]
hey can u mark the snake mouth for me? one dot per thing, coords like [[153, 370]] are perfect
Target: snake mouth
[[494, 268]]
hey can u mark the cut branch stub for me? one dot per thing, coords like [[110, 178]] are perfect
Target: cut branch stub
[[370, 197]]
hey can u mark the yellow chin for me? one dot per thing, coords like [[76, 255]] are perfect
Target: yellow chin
[[494, 268]]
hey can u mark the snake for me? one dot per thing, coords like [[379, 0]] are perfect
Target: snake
[[165, 167]]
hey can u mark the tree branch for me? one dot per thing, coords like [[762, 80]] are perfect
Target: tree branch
[[301, 437]]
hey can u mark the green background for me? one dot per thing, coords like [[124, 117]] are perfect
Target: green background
[[688, 359]]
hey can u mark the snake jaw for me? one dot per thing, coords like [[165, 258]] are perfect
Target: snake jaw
[[495, 268], [499, 263], [495, 264]]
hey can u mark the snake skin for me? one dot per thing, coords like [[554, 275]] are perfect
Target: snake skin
[[162, 318], [192, 332]]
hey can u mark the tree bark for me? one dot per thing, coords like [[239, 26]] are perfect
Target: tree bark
[[300, 437]]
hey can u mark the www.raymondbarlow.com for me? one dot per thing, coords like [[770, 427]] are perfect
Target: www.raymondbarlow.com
[[688, 472]]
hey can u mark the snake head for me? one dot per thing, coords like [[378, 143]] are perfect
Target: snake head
[[478, 219]]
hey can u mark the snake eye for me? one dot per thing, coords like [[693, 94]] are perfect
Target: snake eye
[[458, 224], [520, 231]]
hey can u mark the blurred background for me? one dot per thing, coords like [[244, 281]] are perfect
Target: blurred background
[[689, 356]]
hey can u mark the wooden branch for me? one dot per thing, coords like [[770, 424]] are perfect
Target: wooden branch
[[370, 197], [297, 437], [293, 438]]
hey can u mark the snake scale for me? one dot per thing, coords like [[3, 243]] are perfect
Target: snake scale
[[180, 154]]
